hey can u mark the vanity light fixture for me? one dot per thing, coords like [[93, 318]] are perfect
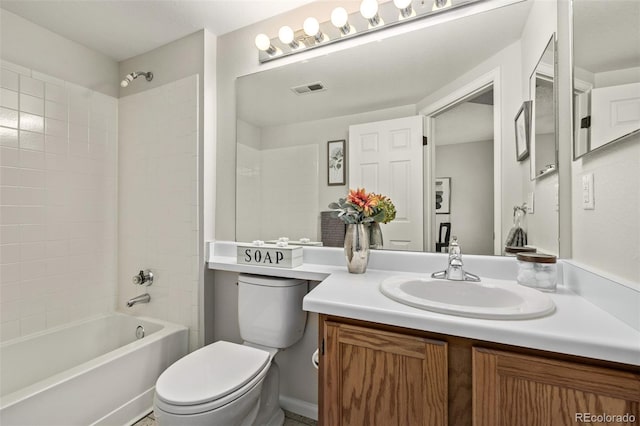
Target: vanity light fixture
[[404, 6], [311, 27], [370, 16], [369, 11], [340, 20]]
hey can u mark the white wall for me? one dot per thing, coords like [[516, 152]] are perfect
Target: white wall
[[25, 43], [608, 237], [158, 201], [470, 167], [58, 199]]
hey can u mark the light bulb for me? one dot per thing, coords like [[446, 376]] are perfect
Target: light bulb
[[339, 17], [285, 35], [311, 27], [402, 4], [369, 8], [262, 42]]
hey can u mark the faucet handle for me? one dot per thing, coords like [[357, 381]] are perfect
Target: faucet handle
[[454, 248], [143, 278]]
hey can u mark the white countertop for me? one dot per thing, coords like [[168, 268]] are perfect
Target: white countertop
[[577, 327]]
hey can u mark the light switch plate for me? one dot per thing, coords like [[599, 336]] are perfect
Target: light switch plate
[[530, 203], [588, 202]]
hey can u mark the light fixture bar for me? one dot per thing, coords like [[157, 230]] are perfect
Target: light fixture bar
[[344, 26]]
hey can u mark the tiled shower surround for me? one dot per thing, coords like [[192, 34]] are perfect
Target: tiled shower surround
[[158, 201], [58, 146], [93, 189]]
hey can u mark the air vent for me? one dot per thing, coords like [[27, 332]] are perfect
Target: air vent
[[304, 89]]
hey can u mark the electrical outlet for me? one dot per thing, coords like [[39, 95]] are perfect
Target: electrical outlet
[[588, 202]]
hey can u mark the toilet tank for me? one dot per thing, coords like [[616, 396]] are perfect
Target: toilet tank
[[270, 310]]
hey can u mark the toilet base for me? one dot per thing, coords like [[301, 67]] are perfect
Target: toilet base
[[270, 413]]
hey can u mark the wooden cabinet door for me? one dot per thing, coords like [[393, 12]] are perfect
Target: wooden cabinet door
[[518, 390], [373, 377]]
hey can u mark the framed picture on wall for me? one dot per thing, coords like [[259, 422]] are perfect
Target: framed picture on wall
[[523, 130], [336, 164], [443, 195]]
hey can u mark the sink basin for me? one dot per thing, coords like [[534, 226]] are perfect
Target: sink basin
[[489, 298]]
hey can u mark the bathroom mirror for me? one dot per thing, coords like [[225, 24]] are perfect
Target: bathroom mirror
[[287, 115], [542, 89], [606, 73]]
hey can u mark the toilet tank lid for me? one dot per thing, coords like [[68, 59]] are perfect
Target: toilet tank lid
[[269, 281], [210, 373]]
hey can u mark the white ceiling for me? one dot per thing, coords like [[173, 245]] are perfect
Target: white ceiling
[[125, 28]]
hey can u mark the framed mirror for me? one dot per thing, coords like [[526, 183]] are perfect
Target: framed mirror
[[606, 73], [542, 89]]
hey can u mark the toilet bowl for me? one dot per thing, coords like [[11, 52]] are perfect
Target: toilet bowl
[[231, 384]]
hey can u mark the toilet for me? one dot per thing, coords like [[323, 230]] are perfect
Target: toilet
[[229, 384]]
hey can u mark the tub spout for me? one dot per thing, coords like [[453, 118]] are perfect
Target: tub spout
[[143, 298]]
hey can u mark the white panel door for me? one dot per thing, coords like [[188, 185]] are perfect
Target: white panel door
[[615, 112], [386, 157]]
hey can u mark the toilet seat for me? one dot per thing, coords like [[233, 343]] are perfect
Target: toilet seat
[[210, 377]]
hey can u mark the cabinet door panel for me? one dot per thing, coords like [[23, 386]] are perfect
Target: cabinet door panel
[[374, 377], [511, 390]]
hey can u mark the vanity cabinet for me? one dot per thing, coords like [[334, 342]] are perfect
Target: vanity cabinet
[[376, 377], [376, 374], [515, 389]]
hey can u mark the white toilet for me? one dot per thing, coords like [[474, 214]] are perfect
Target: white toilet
[[228, 384]]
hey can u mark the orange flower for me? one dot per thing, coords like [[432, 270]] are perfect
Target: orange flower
[[362, 201]]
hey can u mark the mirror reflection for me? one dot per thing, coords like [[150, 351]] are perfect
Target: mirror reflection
[[543, 128], [288, 115], [606, 55]]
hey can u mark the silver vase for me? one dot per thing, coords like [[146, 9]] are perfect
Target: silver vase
[[375, 236], [356, 248]]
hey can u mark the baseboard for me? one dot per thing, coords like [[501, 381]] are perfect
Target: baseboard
[[299, 406]]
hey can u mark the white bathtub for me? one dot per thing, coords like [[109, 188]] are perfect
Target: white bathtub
[[94, 372]]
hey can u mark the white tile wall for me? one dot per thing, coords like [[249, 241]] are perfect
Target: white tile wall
[[158, 201], [57, 201]]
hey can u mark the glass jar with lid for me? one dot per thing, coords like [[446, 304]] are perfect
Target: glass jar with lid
[[538, 270]]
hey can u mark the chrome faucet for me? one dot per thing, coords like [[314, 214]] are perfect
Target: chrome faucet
[[143, 298], [454, 269]]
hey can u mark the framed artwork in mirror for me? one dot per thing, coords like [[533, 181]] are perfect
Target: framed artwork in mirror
[[336, 162], [443, 195], [523, 130]]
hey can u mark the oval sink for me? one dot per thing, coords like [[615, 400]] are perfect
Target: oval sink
[[489, 298]]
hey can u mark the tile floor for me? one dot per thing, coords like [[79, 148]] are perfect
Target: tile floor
[[290, 419]]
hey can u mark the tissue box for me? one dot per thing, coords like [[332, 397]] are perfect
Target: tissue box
[[269, 255]]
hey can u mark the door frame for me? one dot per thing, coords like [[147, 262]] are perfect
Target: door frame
[[492, 78]]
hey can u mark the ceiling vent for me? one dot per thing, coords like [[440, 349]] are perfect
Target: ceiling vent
[[304, 89]]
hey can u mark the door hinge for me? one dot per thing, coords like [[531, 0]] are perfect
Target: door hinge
[[585, 123], [424, 141], [322, 347]]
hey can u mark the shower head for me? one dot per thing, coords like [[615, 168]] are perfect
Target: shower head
[[132, 76]]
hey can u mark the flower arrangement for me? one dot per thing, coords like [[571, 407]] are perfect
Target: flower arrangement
[[363, 207]]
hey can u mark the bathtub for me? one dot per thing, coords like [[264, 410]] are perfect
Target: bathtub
[[94, 372]]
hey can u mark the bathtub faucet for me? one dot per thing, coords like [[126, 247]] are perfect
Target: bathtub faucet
[[143, 298]]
